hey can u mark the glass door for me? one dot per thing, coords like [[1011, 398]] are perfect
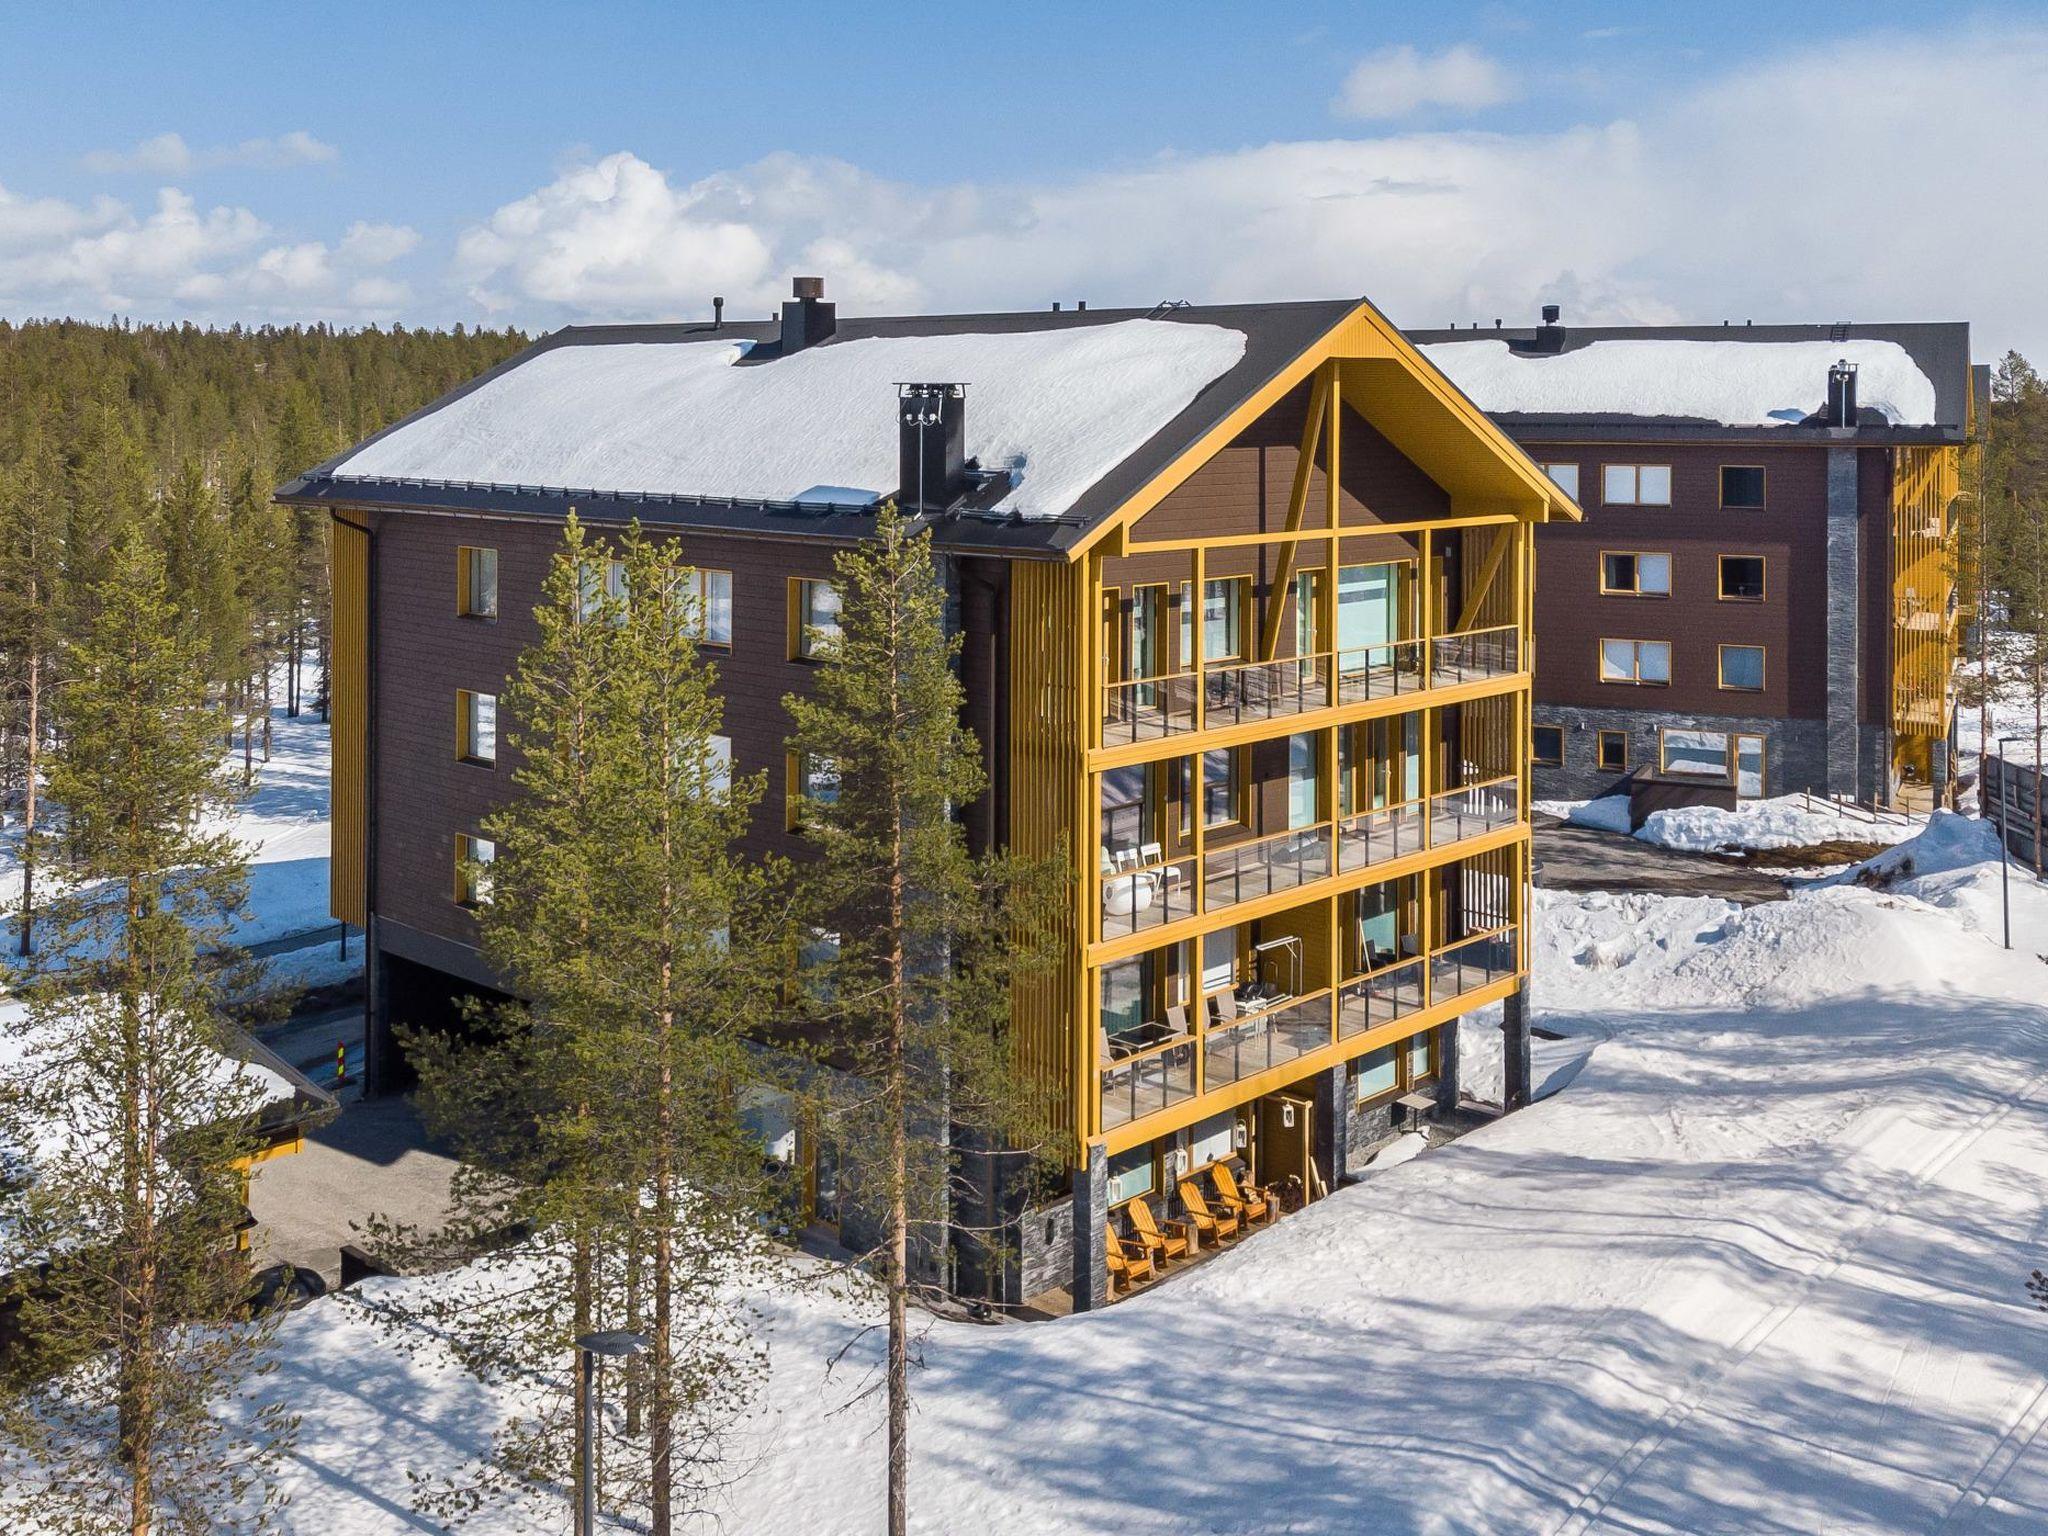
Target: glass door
[[1302, 780], [1368, 605], [1749, 767]]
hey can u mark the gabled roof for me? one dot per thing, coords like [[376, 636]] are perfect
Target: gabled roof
[[1070, 414], [1749, 382]]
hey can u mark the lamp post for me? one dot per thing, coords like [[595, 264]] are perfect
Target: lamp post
[[617, 1344]]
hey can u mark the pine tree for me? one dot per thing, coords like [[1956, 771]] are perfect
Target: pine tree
[[135, 1324], [596, 1111], [925, 938], [31, 566], [199, 568]]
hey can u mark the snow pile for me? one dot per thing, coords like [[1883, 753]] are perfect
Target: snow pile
[[1735, 383], [1059, 408], [1404, 1148], [1947, 843], [1790, 821], [1609, 813]]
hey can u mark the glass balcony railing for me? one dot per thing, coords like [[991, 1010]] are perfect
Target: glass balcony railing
[[1147, 709], [1147, 1082], [1384, 996], [1136, 897], [1473, 811], [1475, 655], [1470, 964], [1264, 690], [1251, 1044], [1238, 692], [1281, 862], [1374, 837]]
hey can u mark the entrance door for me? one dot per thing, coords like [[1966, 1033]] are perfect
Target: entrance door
[[1286, 1140], [1749, 767]]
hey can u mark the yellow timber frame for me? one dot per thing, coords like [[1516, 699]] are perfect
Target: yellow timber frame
[[1926, 623], [349, 714], [1497, 495]]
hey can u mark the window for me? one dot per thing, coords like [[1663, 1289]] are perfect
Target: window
[[1742, 578], [1212, 1140], [1742, 485], [721, 766], [473, 859], [1613, 751], [1304, 779], [1635, 661], [1377, 1073], [713, 593], [1307, 612], [1416, 1057], [1635, 574], [1222, 786], [814, 619], [1694, 754], [1742, 667], [476, 727], [589, 590], [1130, 1174], [1635, 485], [809, 780], [1546, 744], [476, 582], [1184, 600], [1566, 478], [1223, 619]]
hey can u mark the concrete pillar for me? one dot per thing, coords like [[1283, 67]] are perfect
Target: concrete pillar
[[1091, 1210], [1940, 773], [1844, 611], [1514, 1048], [380, 1048], [1447, 1066]]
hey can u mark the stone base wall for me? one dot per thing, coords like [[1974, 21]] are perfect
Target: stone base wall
[[1044, 1251], [1795, 751]]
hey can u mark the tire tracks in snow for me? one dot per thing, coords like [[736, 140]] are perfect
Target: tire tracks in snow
[[1618, 1474]]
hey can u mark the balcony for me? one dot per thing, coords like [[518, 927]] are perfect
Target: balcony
[[1142, 889], [1250, 1029], [1235, 693]]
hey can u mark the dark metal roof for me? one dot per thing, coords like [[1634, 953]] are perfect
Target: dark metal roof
[[1275, 334], [1940, 349]]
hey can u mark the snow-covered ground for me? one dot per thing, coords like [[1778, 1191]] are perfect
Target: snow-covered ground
[[1758, 1264], [1789, 821], [284, 829], [2012, 706]]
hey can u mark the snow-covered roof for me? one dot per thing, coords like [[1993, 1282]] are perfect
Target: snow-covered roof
[[1058, 408], [1741, 383]]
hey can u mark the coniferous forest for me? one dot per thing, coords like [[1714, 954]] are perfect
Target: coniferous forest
[[182, 433]]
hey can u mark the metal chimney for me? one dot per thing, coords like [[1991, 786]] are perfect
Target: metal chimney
[[1842, 394], [806, 319], [931, 428]]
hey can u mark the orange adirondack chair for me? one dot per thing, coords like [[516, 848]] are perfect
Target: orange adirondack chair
[[1165, 1245], [1211, 1224], [1253, 1205], [1127, 1264]]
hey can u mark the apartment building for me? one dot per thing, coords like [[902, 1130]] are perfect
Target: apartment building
[[1245, 595], [1762, 596]]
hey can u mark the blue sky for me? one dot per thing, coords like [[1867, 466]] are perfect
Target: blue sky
[[534, 163]]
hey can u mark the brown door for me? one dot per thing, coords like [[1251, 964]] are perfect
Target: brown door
[[1286, 1133]]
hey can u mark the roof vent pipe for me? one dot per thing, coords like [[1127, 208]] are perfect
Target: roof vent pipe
[[1549, 335], [931, 454], [1842, 394], [806, 319], [1080, 304], [717, 312]]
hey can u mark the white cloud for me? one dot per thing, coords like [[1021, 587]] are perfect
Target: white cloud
[[376, 245], [169, 155], [1398, 81]]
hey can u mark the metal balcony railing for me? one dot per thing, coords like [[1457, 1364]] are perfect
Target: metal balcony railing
[[1283, 861], [1255, 1042], [1146, 1082]]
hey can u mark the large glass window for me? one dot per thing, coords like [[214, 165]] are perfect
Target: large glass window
[[1377, 1073], [815, 612], [1742, 667], [1742, 578], [1219, 960], [1222, 786], [1368, 605], [1695, 754], [1635, 661], [712, 592], [476, 582], [1126, 1000], [1223, 619], [1635, 485], [1212, 1140], [1742, 485], [476, 717], [1379, 926], [1417, 1053], [1303, 777], [1131, 1174], [1635, 573]]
